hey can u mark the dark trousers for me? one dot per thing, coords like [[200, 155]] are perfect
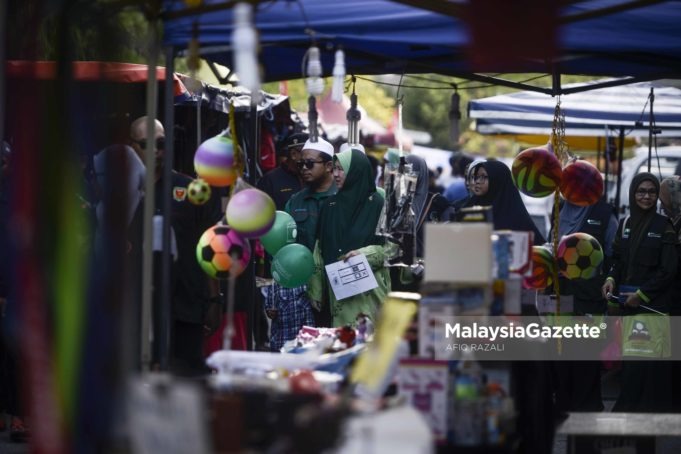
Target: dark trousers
[[578, 386], [187, 349], [10, 399], [646, 387]]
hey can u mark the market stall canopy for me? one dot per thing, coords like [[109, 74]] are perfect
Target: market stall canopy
[[586, 114], [640, 39], [91, 71]]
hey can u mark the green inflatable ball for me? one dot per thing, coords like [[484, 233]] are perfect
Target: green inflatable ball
[[292, 266], [283, 232]]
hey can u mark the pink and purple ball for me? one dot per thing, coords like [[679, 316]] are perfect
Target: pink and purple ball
[[251, 213], [214, 161]]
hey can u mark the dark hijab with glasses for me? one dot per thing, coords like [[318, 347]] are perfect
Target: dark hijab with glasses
[[644, 250], [508, 209]]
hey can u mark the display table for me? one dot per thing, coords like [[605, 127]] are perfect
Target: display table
[[629, 432]]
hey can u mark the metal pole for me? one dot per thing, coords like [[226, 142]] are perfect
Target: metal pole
[[149, 162], [650, 128], [255, 159], [168, 159], [619, 171]]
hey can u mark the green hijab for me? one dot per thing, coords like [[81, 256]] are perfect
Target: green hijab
[[348, 220]]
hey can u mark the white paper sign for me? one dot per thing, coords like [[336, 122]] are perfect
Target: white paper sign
[[351, 277]]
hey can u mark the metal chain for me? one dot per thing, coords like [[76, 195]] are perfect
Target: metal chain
[[559, 149]]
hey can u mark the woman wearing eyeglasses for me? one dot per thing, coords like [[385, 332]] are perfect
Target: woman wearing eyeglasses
[[491, 184], [347, 227], [643, 271]]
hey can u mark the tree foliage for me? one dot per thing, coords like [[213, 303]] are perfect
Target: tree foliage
[[91, 29]]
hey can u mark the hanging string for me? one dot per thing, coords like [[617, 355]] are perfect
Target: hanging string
[[239, 161], [449, 85]]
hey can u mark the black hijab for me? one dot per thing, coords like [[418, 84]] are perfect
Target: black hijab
[[640, 219], [420, 168], [508, 208]]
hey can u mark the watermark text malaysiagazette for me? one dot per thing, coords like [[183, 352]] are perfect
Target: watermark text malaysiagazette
[[532, 330]]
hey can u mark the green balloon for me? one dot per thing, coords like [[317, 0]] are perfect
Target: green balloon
[[293, 265], [283, 232]]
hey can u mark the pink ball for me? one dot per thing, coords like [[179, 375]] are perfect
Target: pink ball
[[250, 213], [214, 161]]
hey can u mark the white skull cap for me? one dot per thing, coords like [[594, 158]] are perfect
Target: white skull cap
[[320, 145]]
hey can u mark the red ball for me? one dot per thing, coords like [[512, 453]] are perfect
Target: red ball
[[542, 268], [536, 172], [582, 183]]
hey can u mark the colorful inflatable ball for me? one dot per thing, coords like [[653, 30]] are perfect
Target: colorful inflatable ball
[[579, 256], [250, 213], [214, 161], [219, 249], [198, 192], [292, 266], [284, 231], [536, 172], [543, 266], [582, 183]]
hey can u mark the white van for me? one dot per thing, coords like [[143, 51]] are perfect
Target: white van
[[669, 159]]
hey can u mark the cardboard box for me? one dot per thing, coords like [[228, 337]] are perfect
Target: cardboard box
[[427, 386], [458, 254]]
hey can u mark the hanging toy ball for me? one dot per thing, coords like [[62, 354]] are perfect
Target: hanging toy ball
[[579, 256], [218, 249], [283, 232], [292, 266], [251, 213], [582, 183], [198, 192], [542, 269], [536, 172], [215, 163]]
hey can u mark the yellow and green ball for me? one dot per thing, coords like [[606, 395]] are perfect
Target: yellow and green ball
[[198, 192], [579, 256]]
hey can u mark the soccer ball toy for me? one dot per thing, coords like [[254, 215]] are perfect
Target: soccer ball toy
[[542, 268], [579, 256], [214, 161], [582, 183], [198, 192], [251, 213], [218, 248], [536, 172]]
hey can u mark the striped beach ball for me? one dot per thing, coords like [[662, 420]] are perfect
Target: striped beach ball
[[536, 172], [542, 268]]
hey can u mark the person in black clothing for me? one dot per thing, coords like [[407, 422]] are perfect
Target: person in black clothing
[[10, 373], [196, 308], [670, 198], [492, 185], [284, 181], [578, 383], [644, 260]]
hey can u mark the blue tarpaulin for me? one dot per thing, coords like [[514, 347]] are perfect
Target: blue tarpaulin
[[602, 37]]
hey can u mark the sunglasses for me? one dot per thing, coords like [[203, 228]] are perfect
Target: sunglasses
[[308, 163], [160, 143]]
